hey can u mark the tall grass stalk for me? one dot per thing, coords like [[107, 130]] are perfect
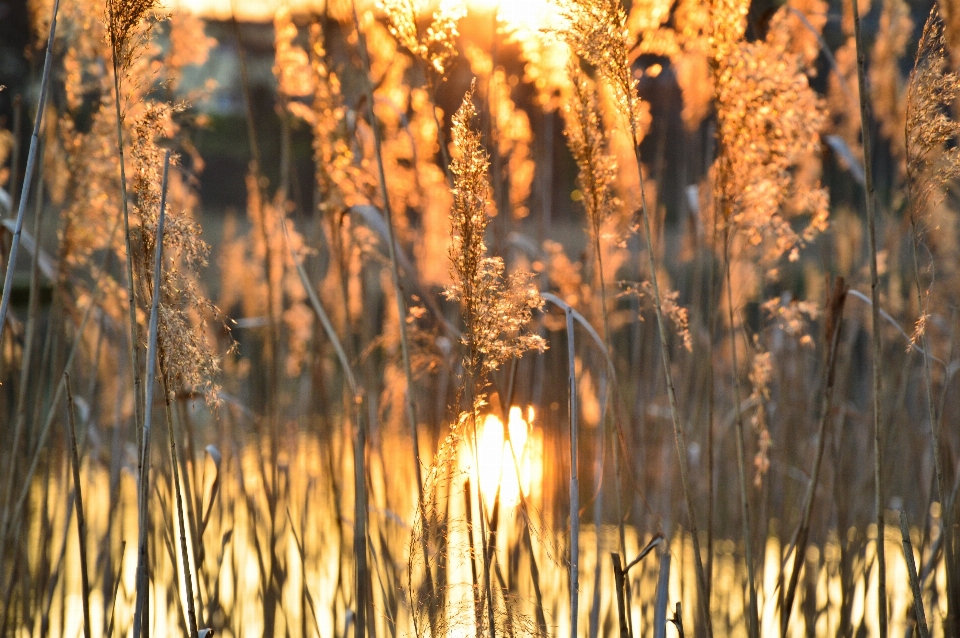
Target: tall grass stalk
[[28, 175], [711, 408], [932, 413], [174, 456], [597, 32], [921, 617], [143, 494], [754, 616], [394, 274], [594, 626], [12, 523], [78, 505], [26, 361], [494, 307], [596, 225], [574, 480], [357, 400], [117, 43], [870, 194], [834, 322], [679, 436], [178, 492], [926, 135]]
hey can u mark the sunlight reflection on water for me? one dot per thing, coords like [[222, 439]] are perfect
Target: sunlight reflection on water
[[242, 551]]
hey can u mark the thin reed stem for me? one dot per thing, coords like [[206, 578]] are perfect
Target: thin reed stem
[[754, 617], [711, 407], [175, 479], [194, 499], [26, 361], [78, 505], [834, 322], [921, 617], [870, 195], [398, 295], [125, 207], [13, 521], [947, 530], [679, 436], [142, 577], [472, 393], [28, 175], [357, 400], [116, 588], [574, 480], [595, 227]]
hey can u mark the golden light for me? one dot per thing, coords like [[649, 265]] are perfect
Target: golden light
[[522, 17], [528, 16], [511, 469]]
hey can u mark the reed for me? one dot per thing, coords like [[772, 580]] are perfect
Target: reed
[[835, 303], [926, 134], [28, 175], [574, 480], [870, 196], [143, 496], [914, 579], [123, 18], [368, 434], [78, 508]]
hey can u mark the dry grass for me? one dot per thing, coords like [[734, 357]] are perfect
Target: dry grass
[[431, 404]]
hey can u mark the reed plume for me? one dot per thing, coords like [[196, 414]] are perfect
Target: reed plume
[[932, 165], [596, 32], [587, 138], [768, 124], [436, 47], [495, 309]]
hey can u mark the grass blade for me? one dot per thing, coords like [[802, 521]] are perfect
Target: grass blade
[[870, 195], [142, 585], [28, 176], [914, 580], [78, 505]]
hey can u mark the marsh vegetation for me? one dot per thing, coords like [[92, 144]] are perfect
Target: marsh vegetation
[[585, 318]]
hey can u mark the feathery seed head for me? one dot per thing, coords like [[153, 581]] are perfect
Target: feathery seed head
[[588, 140], [437, 46], [596, 31], [495, 307], [123, 19], [769, 119], [933, 159]]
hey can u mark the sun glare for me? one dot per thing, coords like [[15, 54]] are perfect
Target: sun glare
[[524, 16], [499, 464], [527, 16]]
